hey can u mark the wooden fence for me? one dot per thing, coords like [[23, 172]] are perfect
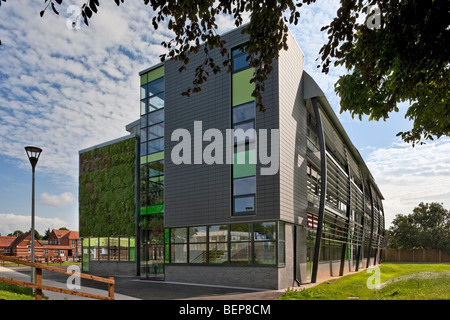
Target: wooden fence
[[39, 286], [418, 255]]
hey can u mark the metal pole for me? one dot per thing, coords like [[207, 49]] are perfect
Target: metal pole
[[323, 190], [33, 269]]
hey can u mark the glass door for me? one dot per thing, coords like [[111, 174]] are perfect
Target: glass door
[[152, 249]]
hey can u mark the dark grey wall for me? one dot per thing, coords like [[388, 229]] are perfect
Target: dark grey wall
[[201, 194]]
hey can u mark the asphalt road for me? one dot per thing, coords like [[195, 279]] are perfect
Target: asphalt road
[[133, 288]]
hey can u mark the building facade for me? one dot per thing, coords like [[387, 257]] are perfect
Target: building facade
[[61, 243], [287, 202]]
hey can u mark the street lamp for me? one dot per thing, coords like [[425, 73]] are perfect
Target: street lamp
[[33, 154]]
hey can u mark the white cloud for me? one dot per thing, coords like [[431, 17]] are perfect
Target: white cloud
[[407, 176], [65, 90], [63, 199], [10, 222]]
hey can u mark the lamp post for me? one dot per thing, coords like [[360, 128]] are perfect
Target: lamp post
[[33, 154]]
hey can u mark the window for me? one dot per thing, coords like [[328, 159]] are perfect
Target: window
[[265, 244], [156, 168], [244, 112], [247, 134], [197, 244], [239, 57], [156, 102], [156, 117], [156, 131], [243, 117], [281, 243], [244, 204], [240, 243], [156, 86], [218, 244], [244, 186], [156, 145], [178, 245]]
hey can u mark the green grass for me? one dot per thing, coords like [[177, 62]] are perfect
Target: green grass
[[399, 281], [13, 292]]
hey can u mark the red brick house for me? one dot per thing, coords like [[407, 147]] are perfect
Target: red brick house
[[20, 246], [63, 243], [5, 244]]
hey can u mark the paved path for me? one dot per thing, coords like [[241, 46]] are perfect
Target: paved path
[[132, 288]]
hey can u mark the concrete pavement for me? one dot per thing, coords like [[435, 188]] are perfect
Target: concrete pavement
[[133, 288]]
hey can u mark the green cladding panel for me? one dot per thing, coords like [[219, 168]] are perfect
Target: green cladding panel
[[152, 209], [244, 168], [242, 89], [152, 75]]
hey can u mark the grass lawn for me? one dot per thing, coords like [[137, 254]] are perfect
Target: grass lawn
[[399, 281], [12, 292]]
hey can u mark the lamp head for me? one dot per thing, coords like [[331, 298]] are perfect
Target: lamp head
[[33, 154]]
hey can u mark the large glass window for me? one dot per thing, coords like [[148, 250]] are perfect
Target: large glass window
[[265, 245], [239, 59], [197, 244], [244, 204], [156, 102], [218, 244], [244, 112], [153, 242], [156, 117], [244, 186], [243, 115], [240, 243], [156, 131], [156, 145], [178, 247], [156, 86]]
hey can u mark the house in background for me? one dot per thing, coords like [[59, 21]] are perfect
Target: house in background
[[5, 244], [64, 243], [20, 246], [61, 243]]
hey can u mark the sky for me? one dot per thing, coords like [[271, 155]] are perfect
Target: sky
[[65, 90]]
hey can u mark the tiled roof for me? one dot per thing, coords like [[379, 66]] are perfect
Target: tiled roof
[[6, 241]]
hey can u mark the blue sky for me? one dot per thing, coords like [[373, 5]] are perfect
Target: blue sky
[[65, 90]]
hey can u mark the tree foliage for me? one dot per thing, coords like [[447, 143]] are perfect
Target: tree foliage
[[406, 59], [427, 227]]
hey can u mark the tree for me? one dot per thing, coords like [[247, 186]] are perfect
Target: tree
[[16, 233], [404, 58], [427, 227], [46, 234]]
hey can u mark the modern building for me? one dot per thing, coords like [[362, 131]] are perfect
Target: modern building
[[287, 203]]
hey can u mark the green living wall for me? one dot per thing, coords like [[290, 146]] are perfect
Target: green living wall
[[106, 190]]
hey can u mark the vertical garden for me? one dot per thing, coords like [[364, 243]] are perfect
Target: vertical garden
[[106, 190]]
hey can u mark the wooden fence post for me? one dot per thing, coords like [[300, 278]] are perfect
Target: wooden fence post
[[38, 291], [111, 289]]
